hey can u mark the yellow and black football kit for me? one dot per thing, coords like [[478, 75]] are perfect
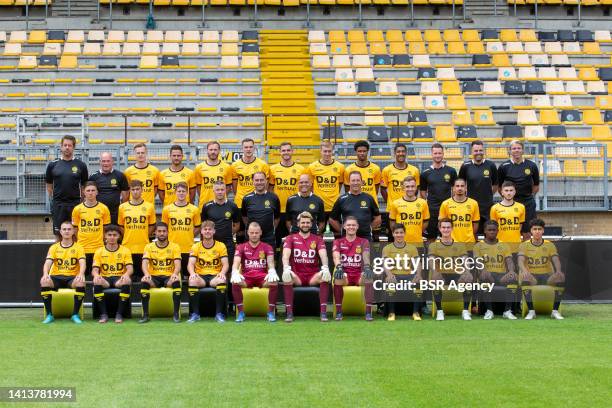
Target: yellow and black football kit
[[112, 263], [326, 181], [446, 256], [208, 260], [207, 175], [392, 178], [168, 179], [392, 251], [493, 256], [90, 222], [65, 259], [412, 215], [509, 218], [161, 260], [285, 180], [463, 215], [538, 258], [149, 175], [136, 220], [370, 176], [181, 222]]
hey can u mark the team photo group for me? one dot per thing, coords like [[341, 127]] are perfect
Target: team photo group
[[233, 226]]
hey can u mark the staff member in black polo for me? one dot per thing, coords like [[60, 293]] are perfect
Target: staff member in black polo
[[357, 204], [305, 200], [113, 187], [262, 206], [436, 185], [526, 177], [481, 177], [226, 216], [65, 177]]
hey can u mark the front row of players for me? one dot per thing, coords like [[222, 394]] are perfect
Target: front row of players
[[305, 263]]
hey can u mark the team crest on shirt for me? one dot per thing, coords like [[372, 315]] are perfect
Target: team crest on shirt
[[188, 210], [97, 212], [228, 215], [469, 207], [183, 175], [311, 206], [114, 182], [293, 171], [335, 169], [256, 167], [119, 256], [486, 173], [313, 245], [267, 203], [527, 171], [144, 210], [418, 205], [358, 249], [363, 203], [447, 177], [515, 209], [74, 169], [148, 172], [370, 171], [262, 255]]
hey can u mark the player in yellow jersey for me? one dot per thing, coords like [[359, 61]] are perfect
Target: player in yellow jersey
[[112, 267], [410, 211], [510, 216], [242, 171], [284, 183], [161, 265], [393, 175], [176, 173], [137, 221], [208, 266], [497, 268], [539, 264], [183, 221], [90, 217], [462, 211], [64, 267], [447, 261], [327, 177], [211, 170], [370, 172], [399, 250], [145, 172]]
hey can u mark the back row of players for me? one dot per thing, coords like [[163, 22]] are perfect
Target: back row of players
[[267, 196]]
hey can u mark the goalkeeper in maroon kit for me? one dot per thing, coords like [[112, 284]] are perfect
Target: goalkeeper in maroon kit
[[301, 266], [352, 266]]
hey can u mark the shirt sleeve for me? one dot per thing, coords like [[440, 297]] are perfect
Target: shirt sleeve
[[335, 212], [152, 215], [535, 174], [493, 214], [176, 251], [501, 175], [423, 183], [161, 184], [493, 174], [288, 244], [269, 251], [462, 171], [194, 250], [97, 258], [320, 243], [453, 175], [392, 210], [145, 252], [522, 214], [426, 214], [222, 250], [197, 175], [271, 177], [121, 216], [377, 176], [342, 171], [191, 182], [76, 216], [245, 204], [49, 173], [475, 212], [235, 214], [197, 219], [84, 174], [346, 174], [336, 245], [375, 209], [321, 210], [164, 216], [51, 253], [227, 176], [276, 206], [106, 218], [232, 173], [384, 177], [123, 182], [443, 213], [80, 252]]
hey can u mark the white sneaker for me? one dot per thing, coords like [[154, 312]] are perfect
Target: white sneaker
[[509, 315], [488, 315], [440, 315], [465, 315], [556, 315], [530, 315]]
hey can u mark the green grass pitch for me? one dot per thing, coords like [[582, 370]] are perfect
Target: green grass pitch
[[541, 363]]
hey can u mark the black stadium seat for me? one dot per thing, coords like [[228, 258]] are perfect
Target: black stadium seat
[[467, 132], [514, 88], [250, 47], [584, 36], [382, 60], [556, 131], [378, 134], [401, 59], [170, 60], [250, 35], [47, 60], [570, 115], [471, 86], [534, 88], [489, 35], [368, 87], [331, 133], [565, 35], [400, 132], [56, 35], [481, 59], [547, 36], [426, 73], [605, 74], [608, 116], [417, 116], [422, 132], [512, 132]]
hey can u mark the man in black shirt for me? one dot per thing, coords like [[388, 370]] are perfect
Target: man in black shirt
[[436, 186], [481, 177], [65, 178], [357, 204], [113, 187], [226, 216], [305, 200], [263, 207], [526, 177]]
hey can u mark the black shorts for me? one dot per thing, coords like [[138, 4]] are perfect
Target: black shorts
[[450, 277], [137, 265], [112, 280], [530, 213], [231, 250], [281, 231], [88, 264], [207, 279], [160, 281], [432, 231], [497, 276], [62, 281], [60, 212], [484, 217]]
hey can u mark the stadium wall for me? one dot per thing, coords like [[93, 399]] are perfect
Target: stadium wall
[[586, 264], [571, 223]]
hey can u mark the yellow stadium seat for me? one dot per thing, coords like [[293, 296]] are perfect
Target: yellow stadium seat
[[353, 303], [397, 48], [68, 62], [151, 48], [37, 37], [149, 62], [336, 36], [483, 117], [338, 48], [432, 35], [451, 87], [549, 117], [353, 36], [229, 61], [451, 35], [135, 36], [475, 47], [75, 36], [527, 117], [595, 168], [414, 36], [588, 74], [456, 47], [436, 48], [358, 48], [601, 133], [434, 102], [321, 61], [592, 117], [413, 102], [27, 62], [445, 134], [417, 48], [160, 302], [461, 118], [154, 36], [456, 102], [249, 62], [62, 303], [573, 168]]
